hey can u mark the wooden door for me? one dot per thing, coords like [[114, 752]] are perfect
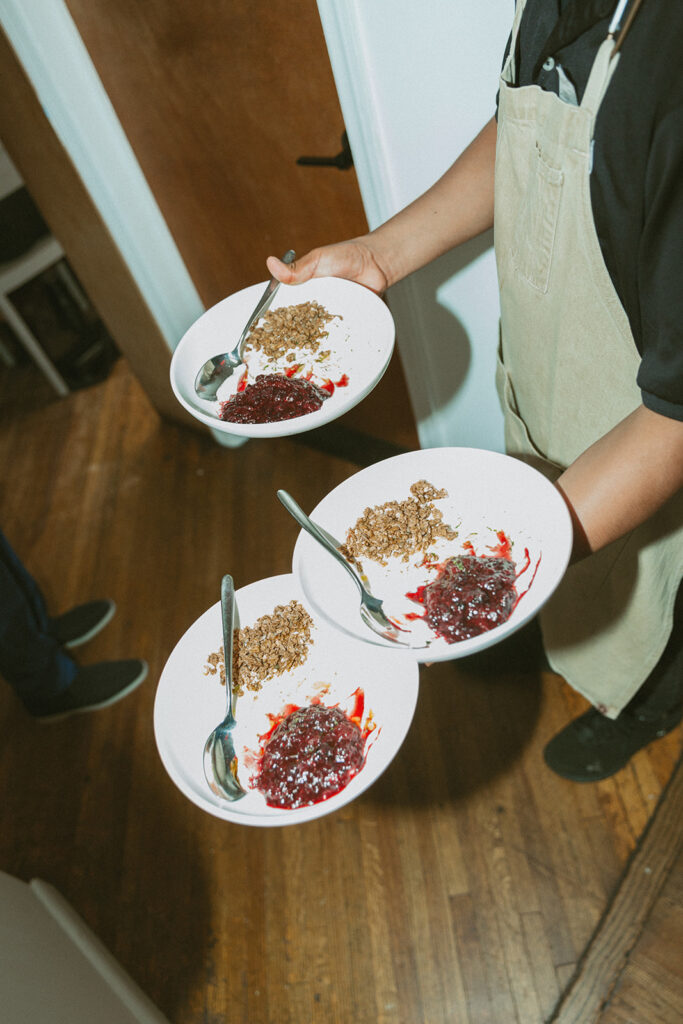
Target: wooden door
[[218, 101]]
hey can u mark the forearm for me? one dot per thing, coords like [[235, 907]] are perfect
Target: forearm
[[458, 207], [623, 479]]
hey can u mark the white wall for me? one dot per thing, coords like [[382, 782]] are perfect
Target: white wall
[[416, 82]]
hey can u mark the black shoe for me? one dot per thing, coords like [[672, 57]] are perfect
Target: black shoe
[[95, 686], [82, 623], [593, 747]]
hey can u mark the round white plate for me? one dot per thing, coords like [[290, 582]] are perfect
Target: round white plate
[[487, 492], [360, 345], [190, 703]]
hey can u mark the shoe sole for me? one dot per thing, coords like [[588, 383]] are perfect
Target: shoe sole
[[98, 627], [140, 678]]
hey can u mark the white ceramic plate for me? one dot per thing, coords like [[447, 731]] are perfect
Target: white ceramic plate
[[360, 345], [487, 492], [190, 703]]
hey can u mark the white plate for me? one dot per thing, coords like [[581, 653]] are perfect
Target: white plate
[[190, 703], [487, 492], [360, 344]]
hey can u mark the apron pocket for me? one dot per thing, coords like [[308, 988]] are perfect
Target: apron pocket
[[517, 438], [534, 234]]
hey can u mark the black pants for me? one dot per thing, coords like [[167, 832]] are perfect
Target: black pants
[[31, 659], [663, 688]]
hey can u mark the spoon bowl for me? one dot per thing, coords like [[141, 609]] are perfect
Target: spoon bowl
[[371, 610], [216, 370], [220, 760]]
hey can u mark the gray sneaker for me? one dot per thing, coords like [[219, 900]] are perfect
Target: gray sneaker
[[95, 686], [82, 623]]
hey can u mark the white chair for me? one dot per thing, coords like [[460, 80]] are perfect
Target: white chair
[[14, 273], [53, 969]]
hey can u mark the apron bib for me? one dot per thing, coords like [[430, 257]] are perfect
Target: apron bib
[[567, 375]]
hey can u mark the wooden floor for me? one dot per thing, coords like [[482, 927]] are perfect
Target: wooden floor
[[650, 987], [462, 887]]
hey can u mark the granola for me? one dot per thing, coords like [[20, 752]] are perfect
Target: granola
[[291, 327], [275, 644], [400, 528]]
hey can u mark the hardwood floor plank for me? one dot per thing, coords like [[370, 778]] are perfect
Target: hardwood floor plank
[[490, 927], [379, 895], [465, 925], [651, 984], [541, 963], [648, 995], [618, 932]]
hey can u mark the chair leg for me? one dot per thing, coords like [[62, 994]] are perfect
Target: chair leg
[[33, 347], [6, 356], [70, 283]]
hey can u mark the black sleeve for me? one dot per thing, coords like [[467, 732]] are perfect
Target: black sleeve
[[660, 267]]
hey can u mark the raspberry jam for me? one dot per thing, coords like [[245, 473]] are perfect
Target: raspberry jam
[[271, 398], [313, 753], [471, 595]]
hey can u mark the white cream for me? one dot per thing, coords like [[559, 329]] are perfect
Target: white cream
[[230, 387]]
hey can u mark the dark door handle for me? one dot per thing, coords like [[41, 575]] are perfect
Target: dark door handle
[[343, 161]]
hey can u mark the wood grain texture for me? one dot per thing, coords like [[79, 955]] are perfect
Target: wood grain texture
[[620, 929], [651, 985], [218, 101], [464, 885]]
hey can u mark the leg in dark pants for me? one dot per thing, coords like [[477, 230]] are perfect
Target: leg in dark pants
[[31, 660]]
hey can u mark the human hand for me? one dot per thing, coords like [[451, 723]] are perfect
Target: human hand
[[355, 260]]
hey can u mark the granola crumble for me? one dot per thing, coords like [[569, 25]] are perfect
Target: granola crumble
[[400, 528], [274, 644], [302, 326]]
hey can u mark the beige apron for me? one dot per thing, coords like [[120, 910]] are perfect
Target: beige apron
[[567, 375]]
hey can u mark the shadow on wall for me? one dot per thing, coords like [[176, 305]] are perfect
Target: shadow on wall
[[445, 347]]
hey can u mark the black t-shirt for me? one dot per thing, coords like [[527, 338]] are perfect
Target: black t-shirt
[[637, 175]]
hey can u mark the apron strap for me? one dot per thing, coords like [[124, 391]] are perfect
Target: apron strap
[[604, 66], [509, 72]]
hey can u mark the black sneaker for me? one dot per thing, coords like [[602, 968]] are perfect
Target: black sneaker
[[593, 747], [95, 686], [82, 623]]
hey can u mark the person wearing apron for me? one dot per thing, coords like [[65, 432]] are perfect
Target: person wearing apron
[[567, 379]]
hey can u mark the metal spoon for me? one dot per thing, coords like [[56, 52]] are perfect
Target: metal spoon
[[371, 610], [217, 369], [220, 760]]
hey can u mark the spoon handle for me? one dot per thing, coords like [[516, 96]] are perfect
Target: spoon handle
[[264, 302], [228, 620], [318, 534]]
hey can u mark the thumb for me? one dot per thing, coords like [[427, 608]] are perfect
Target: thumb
[[291, 273]]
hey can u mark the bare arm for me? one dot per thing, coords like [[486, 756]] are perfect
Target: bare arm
[[623, 479], [457, 207]]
